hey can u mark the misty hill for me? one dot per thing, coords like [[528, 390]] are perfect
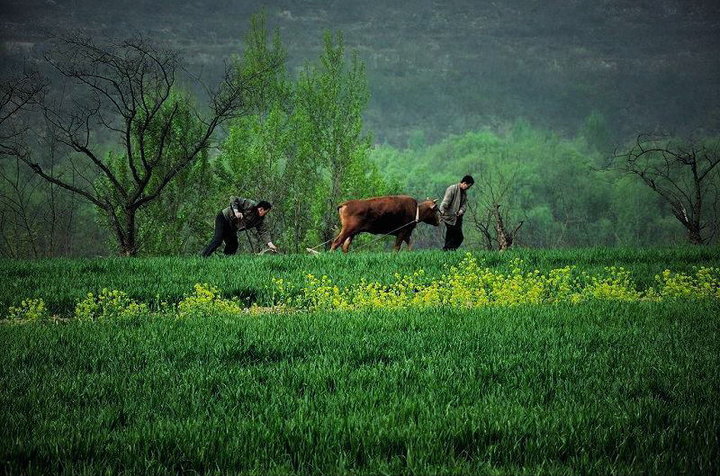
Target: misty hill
[[452, 66]]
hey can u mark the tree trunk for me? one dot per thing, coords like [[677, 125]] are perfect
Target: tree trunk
[[504, 238], [128, 244], [694, 236], [335, 193], [691, 224]]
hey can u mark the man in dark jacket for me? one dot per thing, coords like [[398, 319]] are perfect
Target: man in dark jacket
[[242, 214], [452, 210]]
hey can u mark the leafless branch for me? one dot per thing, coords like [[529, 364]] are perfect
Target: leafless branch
[[677, 171]]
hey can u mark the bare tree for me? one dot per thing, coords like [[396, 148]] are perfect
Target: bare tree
[[19, 233], [684, 174], [482, 220], [127, 91], [16, 94], [20, 228], [487, 216]]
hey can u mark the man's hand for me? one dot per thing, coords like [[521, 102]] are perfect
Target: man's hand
[[272, 246], [238, 215], [460, 213]]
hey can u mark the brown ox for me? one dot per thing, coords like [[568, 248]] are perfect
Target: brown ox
[[395, 215]]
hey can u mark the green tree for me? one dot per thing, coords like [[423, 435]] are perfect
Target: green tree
[[302, 179], [174, 222], [333, 95], [596, 132], [259, 145], [127, 93]]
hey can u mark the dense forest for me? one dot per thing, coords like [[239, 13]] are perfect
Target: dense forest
[[543, 105]]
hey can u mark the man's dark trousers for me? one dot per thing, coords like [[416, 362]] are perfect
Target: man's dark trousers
[[454, 235], [223, 232]]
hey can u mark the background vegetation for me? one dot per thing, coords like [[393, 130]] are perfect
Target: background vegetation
[[450, 67], [532, 100]]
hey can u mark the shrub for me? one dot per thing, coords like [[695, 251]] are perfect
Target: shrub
[[29, 309], [616, 285], [109, 304], [705, 283], [206, 301]]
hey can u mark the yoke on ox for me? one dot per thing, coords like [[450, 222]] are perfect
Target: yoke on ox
[[394, 215]]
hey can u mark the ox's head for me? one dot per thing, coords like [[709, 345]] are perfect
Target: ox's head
[[429, 212]]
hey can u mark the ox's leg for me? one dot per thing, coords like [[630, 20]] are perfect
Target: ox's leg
[[402, 236], [347, 243], [338, 239], [407, 240], [408, 234], [343, 229]]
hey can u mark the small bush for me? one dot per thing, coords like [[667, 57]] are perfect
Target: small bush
[[205, 302], [616, 285], [109, 304], [29, 309], [705, 283]]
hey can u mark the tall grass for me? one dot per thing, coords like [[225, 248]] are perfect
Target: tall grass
[[607, 388]]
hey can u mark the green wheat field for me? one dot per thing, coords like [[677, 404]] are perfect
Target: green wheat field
[[159, 378]]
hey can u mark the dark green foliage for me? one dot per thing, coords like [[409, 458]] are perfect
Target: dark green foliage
[[457, 65], [592, 389]]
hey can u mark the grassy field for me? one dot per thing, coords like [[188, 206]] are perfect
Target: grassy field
[[63, 282], [600, 387], [604, 389]]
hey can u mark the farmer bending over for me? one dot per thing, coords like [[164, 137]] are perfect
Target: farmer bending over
[[242, 214]]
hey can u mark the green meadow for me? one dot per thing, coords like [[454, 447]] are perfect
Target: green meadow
[[598, 387]]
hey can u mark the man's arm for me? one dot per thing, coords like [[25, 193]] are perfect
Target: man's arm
[[447, 199], [264, 233], [235, 206], [463, 204]]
